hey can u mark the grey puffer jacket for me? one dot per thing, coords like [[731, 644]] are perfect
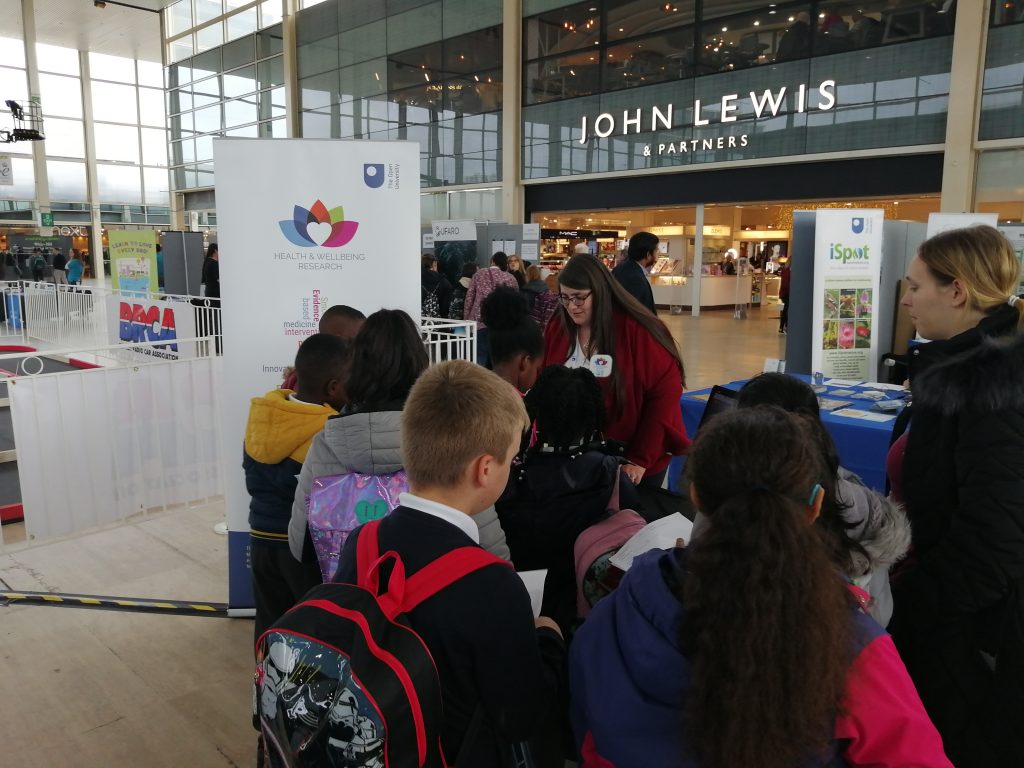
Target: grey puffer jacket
[[882, 530], [368, 443]]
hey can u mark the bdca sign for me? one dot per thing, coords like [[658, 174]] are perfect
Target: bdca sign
[[141, 324]]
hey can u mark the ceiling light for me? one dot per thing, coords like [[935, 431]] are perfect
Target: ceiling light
[[725, 29], [757, 23]]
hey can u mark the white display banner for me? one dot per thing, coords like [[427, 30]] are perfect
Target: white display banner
[[303, 224], [99, 446], [132, 320], [6, 171], [447, 231], [847, 270], [943, 222]]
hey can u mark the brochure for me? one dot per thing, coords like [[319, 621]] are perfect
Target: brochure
[[856, 413], [661, 534]]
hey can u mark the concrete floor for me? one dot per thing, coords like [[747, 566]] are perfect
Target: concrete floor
[[89, 688]]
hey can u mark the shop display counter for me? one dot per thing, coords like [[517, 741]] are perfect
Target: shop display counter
[[715, 292]]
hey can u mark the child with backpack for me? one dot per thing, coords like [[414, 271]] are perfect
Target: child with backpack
[[425, 651], [517, 344], [281, 426], [747, 647]]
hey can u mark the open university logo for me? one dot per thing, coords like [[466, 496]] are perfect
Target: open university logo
[[318, 227], [857, 225], [373, 175]]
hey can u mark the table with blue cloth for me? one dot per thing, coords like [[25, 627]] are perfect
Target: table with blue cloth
[[862, 445]]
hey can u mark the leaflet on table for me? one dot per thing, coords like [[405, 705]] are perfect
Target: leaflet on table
[[534, 582], [661, 534], [856, 413], [828, 404], [842, 382]]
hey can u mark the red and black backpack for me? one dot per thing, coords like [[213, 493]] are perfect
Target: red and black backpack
[[343, 680]]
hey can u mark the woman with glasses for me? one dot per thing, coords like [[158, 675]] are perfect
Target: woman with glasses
[[601, 327]]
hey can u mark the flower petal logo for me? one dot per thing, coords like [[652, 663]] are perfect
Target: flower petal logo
[[337, 231]]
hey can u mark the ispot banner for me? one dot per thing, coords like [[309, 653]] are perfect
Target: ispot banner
[[847, 271], [303, 224]]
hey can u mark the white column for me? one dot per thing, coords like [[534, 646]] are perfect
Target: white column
[[512, 202], [968, 69], [291, 83], [91, 174], [42, 197], [698, 261]]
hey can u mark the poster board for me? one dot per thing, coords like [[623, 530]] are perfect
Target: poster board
[[323, 222], [138, 320], [943, 222], [133, 267], [847, 269]]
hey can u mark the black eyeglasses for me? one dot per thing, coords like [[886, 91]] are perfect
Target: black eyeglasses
[[577, 300]]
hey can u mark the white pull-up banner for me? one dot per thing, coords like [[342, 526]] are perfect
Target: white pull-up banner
[[847, 271], [303, 224]]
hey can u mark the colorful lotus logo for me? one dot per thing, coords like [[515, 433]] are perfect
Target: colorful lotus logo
[[319, 226]]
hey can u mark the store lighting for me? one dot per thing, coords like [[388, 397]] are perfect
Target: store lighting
[[792, 18], [375, 74], [426, 77], [572, 72], [757, 23], [725, 29], [477, 78]]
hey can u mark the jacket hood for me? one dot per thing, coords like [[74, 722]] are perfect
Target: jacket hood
[[279, 428], [365, 442], [465, 282], [647, 622], [878, 525], [1000, 322], [986, 379], [432, 279]]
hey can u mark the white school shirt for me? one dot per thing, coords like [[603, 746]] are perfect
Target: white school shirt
[[449, 514]]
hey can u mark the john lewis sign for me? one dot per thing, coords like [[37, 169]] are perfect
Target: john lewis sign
[[766, 104]]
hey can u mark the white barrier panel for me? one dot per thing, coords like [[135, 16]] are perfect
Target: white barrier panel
[[302, 224], [98, 446], [449, 339]]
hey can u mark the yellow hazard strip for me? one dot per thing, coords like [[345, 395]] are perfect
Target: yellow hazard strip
[[90, 601], [53, 598], [201, 607], [111, 602]]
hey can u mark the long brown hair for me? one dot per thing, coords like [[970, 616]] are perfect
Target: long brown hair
[[586, 273], [767, 628]]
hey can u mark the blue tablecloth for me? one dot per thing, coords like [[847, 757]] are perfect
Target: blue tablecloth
[[862, 445]]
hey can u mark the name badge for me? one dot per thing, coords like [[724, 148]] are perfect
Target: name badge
[[601, 366]]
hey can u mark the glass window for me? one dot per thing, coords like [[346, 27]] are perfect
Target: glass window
[[242, 23], [208, 119], [271, 72], [269, 42], [119, 183], [114, 103], [64, 138], [272, 104], [632, 18], [206, 64], [414, 27], [151, 107], [50, 58], [207, 92], [116, 68], [759, 37], [183, 152], [210, 37], [576, 74], [647, 60], [317, 56], [240, 111], [155, 181], [1007, 12], [362, 43], [566, 29], [181, 48], [178, 17], [276, 129], [12, 52], [841, 26], [318, 91], [117, 142], [154, 146], [474, 94], [207, 10], [415, 67], [362, 80], [240, 82], [270, 13], [61, 96], [66, 180], [360, 12], [238, 53], [150, 73], [14, 83], [204, 148], [472, 53], [24, 186]]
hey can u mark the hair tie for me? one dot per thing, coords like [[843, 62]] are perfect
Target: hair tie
[[1012, 301]]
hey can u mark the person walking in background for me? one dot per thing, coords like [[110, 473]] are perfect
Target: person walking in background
[[784, 275], [211, 273], [38, 265], [435, 290], [746, 647], [632, 273], [483, 283], [958, 618], [457, 309], [602, 327], [75, 268], [160, 266], [209, 314], [60, 276], [516, 269], [543, 302]]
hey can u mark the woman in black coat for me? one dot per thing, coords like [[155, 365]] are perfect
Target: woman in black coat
[[958, 618]]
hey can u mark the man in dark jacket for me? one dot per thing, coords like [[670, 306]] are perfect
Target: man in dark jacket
[[282, 424], [643, 249], [435, 290]]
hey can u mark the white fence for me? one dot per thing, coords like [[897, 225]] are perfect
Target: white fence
[[101, 445], [449, 339]]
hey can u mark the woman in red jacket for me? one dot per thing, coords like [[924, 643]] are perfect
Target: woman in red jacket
[[601, 327]]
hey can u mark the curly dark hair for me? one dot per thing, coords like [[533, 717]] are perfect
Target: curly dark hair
[[767, 628], [511, 330], [387, 357], [567, 407]]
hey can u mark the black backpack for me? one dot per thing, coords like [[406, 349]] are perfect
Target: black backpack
[[343, 680], [431, 305]]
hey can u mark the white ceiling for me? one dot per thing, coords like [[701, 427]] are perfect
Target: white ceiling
[[114, 30]]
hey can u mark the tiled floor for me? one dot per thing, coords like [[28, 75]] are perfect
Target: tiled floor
[[99, 689]]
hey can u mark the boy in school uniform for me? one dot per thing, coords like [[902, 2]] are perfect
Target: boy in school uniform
[[282, 424], [461, 428]]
